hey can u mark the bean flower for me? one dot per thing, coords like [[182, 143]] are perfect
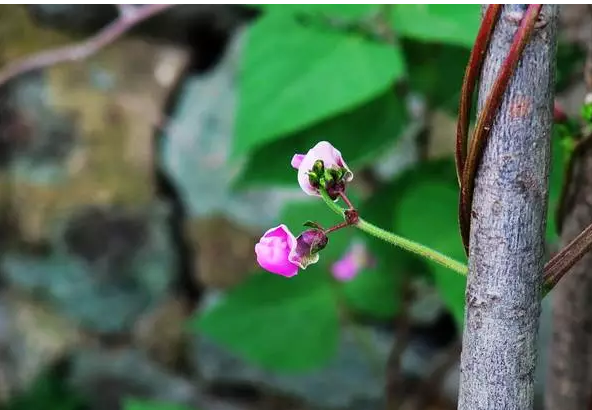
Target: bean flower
[[354, 260], [322, 164], [280, 252]]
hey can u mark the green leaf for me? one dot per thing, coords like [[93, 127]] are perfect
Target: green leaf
[[330, 10], [426, 212], [277, 323], [559, 158], [570, 60], [293, 77], [137, 404], [436, 71], [359, 134], [375, 292], [442, 23]]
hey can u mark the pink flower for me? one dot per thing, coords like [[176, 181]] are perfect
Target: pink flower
[[354, 260], [279, 252], [331, 158]]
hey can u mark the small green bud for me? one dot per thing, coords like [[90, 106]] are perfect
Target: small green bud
[[314, 179], [318, 167], [312, 224]]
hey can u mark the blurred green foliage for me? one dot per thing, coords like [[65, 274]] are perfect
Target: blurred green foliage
[[320, 72], [333, 72]]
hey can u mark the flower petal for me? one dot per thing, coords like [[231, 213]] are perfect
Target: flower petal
[[331, 158], [297, 160], [273, 251], [345, 269]]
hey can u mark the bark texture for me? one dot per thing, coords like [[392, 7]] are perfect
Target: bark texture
[[569, 382], [508, 225]]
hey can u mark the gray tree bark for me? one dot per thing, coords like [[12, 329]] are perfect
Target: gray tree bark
[[569, 377], [569, 380], [508, 225]]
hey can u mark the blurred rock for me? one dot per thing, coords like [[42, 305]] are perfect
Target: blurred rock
[[161, 334], [86, 132], [107, 378], [32, 337], [225, 251], [196, 150], [108, 267]]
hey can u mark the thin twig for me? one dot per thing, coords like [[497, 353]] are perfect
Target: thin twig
[[84, 49]]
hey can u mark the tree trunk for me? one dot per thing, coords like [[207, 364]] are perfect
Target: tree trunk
[[569, 379], [569, 382], [508, 226]]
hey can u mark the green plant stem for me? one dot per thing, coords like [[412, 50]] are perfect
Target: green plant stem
[[399, 241], [332, 205], [413, 247]]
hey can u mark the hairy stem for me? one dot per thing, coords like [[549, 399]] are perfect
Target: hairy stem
[[399, 241], [412, 247]]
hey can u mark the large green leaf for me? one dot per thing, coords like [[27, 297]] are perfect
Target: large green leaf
[[436, 71], [426, 212], [376, 291], [294, 76], [277, 323], [441, 23], [330, 10], [359, 134], [284, 324]]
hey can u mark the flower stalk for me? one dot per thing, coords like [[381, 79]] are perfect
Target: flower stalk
[[399, 241]]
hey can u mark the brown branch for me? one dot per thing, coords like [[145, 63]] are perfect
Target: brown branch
[[564, 260], [488, 114], [470, 81], [79, 51]]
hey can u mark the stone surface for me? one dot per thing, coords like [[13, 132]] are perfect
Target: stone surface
[[196, 149], [103, 272], [32, 336], [107, 378], [85, 134]]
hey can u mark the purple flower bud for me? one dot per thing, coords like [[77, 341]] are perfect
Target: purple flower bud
[[308, 244]]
